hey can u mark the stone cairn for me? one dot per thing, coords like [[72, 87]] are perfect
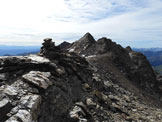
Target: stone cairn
[[48, 46]]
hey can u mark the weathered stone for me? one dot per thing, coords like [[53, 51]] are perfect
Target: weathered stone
[[21, 116], [40, 79], [60, 71], [90, 103], [3, 103], [38, 59], [11, 91], [27, 110], [32, 102], [77, 114]]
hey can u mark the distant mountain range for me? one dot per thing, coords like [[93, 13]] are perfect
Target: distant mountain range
[[156, 49], [154, 55], [18, 50]]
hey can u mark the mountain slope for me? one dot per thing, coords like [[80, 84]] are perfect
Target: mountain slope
[[134, 65], [103, 84]]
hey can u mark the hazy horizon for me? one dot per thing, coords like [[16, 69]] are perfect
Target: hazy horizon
[[127, 22]]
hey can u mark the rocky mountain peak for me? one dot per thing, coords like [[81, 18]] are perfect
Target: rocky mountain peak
[[128, 48], [108, 83], [64, 45], [105, 39], [131, 63], [88, 37], [82, 44], [105, 44]]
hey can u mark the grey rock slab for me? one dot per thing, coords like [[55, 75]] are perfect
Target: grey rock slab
[[31, 101], [40, 79], [27, 110], [11, 90], [3, 102], [21, 116], [39, 59]]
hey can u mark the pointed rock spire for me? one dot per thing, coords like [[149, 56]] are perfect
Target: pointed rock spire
[[87, 38]]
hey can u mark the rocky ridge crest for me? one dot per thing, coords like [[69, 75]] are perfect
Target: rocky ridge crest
[[133, 65], [103, 84]]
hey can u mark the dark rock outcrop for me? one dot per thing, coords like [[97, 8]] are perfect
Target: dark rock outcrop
[[64, 45], [103, 84], [133, 65], [82, 44]]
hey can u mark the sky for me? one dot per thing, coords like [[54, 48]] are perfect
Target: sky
[[137, 23]]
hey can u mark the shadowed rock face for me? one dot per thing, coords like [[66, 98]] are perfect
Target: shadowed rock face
[[61, 86], [64, 45], [82, 44], [134, 65]]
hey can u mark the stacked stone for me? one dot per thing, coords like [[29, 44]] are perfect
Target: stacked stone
[[48, 46], [48, 43]]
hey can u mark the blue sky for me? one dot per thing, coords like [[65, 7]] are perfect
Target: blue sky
[[137, 23]]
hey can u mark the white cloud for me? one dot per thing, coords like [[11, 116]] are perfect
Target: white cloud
[[29, 21]]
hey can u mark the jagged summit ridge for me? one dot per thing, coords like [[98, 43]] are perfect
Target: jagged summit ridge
[[64, 45], [83, 43], [58, 85], [134, 65]]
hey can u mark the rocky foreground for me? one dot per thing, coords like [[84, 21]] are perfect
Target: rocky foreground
[[86, 81]]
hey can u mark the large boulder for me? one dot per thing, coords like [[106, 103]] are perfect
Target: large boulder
[[40, 79]]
